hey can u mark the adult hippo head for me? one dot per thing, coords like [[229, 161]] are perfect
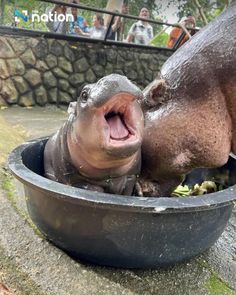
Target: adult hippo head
[[98, 148], [190, 111]]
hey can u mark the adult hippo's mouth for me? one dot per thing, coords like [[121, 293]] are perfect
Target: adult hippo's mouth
[[122, 118]]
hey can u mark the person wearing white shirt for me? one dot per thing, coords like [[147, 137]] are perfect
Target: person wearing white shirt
[[141, 32]]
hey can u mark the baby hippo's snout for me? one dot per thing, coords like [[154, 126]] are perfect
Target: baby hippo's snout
[[111, 85]]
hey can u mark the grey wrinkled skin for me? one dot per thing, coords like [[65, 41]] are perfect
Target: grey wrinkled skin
[[190, 110], [82, 154]]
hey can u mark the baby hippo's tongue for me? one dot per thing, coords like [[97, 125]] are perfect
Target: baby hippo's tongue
[[117, 127]]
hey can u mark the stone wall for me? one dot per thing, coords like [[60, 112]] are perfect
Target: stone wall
[[41, 71]]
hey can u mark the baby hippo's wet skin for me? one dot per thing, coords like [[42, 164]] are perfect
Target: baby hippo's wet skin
[[99, 146], [190, 111]]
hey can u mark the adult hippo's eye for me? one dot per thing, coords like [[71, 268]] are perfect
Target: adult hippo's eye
[[84, 96]]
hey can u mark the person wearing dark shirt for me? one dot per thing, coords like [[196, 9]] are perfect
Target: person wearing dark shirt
[[79, 22], [116, 31]]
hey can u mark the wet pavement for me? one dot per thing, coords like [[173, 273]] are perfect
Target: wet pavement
[[31, 265]]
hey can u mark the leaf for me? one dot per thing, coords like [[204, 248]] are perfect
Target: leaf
[[181, 191]]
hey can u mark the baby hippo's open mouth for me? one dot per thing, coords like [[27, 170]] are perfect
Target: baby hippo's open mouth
[[118, 128], [121, 119]]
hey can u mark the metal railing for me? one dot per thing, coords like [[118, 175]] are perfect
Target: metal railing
[[33, 30]]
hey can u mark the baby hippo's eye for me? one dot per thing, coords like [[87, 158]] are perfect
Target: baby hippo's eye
[[84, 96]]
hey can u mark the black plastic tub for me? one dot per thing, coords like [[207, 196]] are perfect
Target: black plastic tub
[[121, 231]]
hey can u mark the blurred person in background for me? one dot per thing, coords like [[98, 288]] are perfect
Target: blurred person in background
[[56, 26], [116, 31], [141, 32], [79, 24], [97, 31], [186, 22]]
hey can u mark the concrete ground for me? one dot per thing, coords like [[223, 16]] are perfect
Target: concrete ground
[[31, 265]]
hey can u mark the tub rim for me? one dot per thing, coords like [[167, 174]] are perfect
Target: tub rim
[[84, 197]]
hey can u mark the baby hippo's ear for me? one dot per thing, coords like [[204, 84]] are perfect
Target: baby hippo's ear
[[154, 93], [72, 108]]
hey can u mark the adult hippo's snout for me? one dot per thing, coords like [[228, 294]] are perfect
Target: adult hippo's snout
[[190, 109], [99, 147]]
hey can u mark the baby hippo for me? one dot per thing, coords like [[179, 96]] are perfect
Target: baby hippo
[[99, 146]]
